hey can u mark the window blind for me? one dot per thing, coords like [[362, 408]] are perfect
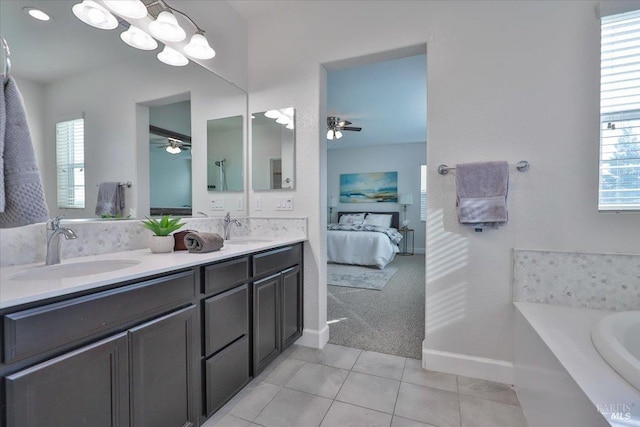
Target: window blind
[[619, 187], [423, 192], [70, 163]]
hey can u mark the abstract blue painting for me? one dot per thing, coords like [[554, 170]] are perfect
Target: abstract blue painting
[[373, 187]]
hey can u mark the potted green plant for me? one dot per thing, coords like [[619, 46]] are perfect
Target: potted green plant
[[162, 241]]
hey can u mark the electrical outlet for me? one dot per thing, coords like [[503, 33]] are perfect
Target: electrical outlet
[[258, 203], [217, 204], [284, 203], [240, 204]]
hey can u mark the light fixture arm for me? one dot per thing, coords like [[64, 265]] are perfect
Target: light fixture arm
[[165, 6]]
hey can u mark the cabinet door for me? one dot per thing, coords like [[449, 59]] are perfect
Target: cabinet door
[[266, 322], [163, 363], [291, 306], [85, 388]]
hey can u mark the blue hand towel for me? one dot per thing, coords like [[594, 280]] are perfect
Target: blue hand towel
[[482, 194], [22, 200]]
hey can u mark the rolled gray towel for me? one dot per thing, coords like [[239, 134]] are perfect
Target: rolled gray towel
[[203, 242]]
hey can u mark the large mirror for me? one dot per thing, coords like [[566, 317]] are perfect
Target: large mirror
[[273, 149], [67, 69], [225, 154]]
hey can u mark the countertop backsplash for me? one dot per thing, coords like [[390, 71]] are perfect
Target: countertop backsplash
[[586, 280], [26, 245]]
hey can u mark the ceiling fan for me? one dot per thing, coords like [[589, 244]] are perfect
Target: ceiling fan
[[171, 145], [335, 126]]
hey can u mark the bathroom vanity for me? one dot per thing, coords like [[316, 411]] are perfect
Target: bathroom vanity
[[165, 342]]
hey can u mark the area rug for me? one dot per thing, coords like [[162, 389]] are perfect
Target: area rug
[[355, 276]]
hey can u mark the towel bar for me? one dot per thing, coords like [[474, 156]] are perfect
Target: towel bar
[[129, 184], [521, 166]]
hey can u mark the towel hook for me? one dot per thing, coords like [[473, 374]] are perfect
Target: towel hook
[[7, 61]]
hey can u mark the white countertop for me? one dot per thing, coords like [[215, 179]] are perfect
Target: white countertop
[[567, 333], [17, 292]]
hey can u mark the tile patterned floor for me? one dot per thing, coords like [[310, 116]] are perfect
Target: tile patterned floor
[[341, 386]]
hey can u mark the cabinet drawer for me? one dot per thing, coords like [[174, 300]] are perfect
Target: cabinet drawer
[[40, 329], [226, 318], [276, 260], [225, 275], [226, 373]]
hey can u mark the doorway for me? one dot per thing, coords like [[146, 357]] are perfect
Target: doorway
[[385, 96]]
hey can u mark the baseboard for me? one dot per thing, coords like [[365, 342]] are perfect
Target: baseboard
[[469, 366], [314, 338]]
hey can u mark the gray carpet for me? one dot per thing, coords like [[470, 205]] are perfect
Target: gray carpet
[[388, 321], [356, 276]]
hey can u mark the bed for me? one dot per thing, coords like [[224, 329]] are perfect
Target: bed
[[361, 244]]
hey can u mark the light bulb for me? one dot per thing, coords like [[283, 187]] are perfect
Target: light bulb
[[37, 13], [283, 120], [272, 114], [338, 134], [128, 8], [173, 150], [330, 134], [166, 28], [137, 38], [93, 14], [198, 47], [172, 57]]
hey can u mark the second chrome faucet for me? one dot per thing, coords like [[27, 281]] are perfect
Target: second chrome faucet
[[226, 225]]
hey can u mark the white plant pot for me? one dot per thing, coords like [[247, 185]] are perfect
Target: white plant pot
[[161, 244]]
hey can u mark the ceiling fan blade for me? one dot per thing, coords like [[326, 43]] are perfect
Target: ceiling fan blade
[[352, 128]]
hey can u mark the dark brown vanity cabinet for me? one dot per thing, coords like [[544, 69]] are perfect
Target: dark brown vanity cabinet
[[143, 373], [277, 303]]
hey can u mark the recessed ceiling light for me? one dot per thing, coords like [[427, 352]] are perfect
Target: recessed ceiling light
[[37, 14]]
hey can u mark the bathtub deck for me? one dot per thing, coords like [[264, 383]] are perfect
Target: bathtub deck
[[567, 333]]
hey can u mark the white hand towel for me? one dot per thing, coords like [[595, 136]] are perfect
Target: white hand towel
[[22, 198], [482, 193]]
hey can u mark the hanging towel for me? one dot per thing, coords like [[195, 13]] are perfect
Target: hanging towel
[[203, 242], [482, 194], [22, 200], [110, 199]]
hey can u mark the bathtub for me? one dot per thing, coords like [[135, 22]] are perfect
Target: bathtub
[[617, 339], [560, 377]]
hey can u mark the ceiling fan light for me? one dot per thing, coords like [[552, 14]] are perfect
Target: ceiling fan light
[[172, 149], [166, 28], [128, 8], [330, 134], [198, 47], [137, 38], [272, 114], [172, 57], [338, 134], [93, 14]]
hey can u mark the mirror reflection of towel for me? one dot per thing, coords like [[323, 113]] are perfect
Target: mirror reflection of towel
[[22, 199], [482, 194], [110, 199]]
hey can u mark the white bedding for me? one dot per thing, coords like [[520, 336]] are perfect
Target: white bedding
[[362, 248]]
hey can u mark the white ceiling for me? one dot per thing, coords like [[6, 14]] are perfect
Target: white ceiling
[[387, 99]]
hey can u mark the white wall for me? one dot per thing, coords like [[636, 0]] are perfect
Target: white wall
[[506, 80], [33, 97], [402, 158]]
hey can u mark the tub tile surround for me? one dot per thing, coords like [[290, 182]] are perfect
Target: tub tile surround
[[585, 280], [26, 245]]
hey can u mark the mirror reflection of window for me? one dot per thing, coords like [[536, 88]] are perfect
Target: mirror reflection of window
[[273, 149]]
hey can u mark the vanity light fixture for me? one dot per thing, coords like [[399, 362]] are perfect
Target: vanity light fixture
[[134, 9], [283, 116], [198, 47], [172, 57], [37, 13], [93, 14], [166, 27], [137, 38]]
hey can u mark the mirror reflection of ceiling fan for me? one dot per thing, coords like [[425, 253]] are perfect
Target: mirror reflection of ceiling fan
[[335, 126], [172, 142]]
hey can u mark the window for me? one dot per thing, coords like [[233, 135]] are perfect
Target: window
[[619, 187], [423, 192], [70, 163]]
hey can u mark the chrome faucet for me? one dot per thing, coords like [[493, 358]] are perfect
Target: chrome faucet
[[227, 222], [53, 239]]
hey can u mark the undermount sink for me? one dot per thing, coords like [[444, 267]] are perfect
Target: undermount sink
[[245, 241], [617, 339], [75, 269]]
